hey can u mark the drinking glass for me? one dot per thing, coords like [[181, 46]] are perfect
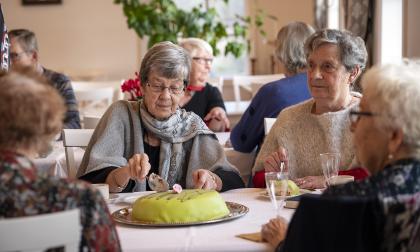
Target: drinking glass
[[330, 163], [276, 183]]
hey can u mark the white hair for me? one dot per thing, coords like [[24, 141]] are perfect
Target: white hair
[[192, 45], [393, 92]]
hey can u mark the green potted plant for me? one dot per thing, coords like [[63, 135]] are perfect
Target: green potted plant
[[162, 20]]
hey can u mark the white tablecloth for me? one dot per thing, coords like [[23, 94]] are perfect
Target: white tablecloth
[[210, 237]]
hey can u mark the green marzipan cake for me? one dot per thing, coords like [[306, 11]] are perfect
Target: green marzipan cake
[[192, 205]]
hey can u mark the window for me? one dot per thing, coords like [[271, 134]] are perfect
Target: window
[[224, 65]]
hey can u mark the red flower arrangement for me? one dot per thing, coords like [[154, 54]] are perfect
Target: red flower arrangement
[[132, 87]]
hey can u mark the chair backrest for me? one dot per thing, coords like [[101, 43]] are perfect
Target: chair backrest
[[217, 82], [268, 123], [90, 121], [92, 98], [41, 232], [74, 138], [251, 83], [115, 84]]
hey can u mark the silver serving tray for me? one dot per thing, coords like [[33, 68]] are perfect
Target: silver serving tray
[[123, 216]]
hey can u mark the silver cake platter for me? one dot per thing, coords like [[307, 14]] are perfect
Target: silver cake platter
[[123, 216]]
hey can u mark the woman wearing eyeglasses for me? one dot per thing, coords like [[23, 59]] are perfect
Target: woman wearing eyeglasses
[[301, 132], [200, 97], [135, 139], [386, 135]]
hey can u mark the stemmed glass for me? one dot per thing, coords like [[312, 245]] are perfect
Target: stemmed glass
[[330, 163], [276, 183]]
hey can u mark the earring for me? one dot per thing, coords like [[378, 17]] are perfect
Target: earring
[[390, 156]]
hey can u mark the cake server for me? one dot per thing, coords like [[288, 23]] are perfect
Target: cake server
[[157, 183]]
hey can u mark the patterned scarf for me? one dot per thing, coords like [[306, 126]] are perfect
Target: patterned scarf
[[177, 129]]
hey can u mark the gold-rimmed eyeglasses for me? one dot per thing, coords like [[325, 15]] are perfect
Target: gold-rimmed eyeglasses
[[160, 88]]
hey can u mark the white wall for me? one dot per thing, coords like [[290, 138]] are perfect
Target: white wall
[[80, 37], [90, 38], [286, 11]]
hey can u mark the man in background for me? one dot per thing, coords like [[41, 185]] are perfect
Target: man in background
[[24, 53]]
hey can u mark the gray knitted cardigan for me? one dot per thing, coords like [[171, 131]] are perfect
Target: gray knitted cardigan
[[119, 135]]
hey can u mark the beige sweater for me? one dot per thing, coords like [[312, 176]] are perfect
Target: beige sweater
[[306, 135]]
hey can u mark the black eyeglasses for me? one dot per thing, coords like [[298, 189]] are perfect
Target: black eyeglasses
[[355, 115], [203, 60]]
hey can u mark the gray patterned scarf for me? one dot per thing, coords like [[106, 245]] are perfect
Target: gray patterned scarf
[[177, 129]]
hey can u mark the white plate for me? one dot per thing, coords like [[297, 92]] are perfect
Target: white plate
[[112, 197]]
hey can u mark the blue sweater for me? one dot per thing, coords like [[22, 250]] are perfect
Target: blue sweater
[[268, 102]]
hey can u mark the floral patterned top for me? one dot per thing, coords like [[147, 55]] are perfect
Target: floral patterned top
[[23, 192], [397, 188]]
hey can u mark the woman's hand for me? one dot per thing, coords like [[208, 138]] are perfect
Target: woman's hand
[[272, 161], [310, 182], [218, 119], [205, 179], [274, 231], [137, 168]]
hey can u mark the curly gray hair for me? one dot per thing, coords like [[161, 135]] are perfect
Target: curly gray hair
[[393, 92], [168, 60], [290, 44], [352, 48]]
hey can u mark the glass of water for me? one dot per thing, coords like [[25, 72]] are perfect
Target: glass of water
[[276, 183]]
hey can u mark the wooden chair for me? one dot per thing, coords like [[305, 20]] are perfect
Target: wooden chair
[[41, 232], [268, 124], [251, 83], [74, 138]]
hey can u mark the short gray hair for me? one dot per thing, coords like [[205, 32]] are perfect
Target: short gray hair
[[290, 44], [25, 38], [393, 92], [352, 48], [192, 45], [168, 60]]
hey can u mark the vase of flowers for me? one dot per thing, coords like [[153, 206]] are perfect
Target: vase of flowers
[[131, 87]]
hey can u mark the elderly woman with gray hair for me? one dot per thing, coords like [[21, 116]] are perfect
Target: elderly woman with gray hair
[[386, 134], [135, 139], [200, 97], [32, 113], [273, 97], [301, 132]]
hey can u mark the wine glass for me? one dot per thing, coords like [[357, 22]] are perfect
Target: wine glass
[[330, 163], [276, 183]]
